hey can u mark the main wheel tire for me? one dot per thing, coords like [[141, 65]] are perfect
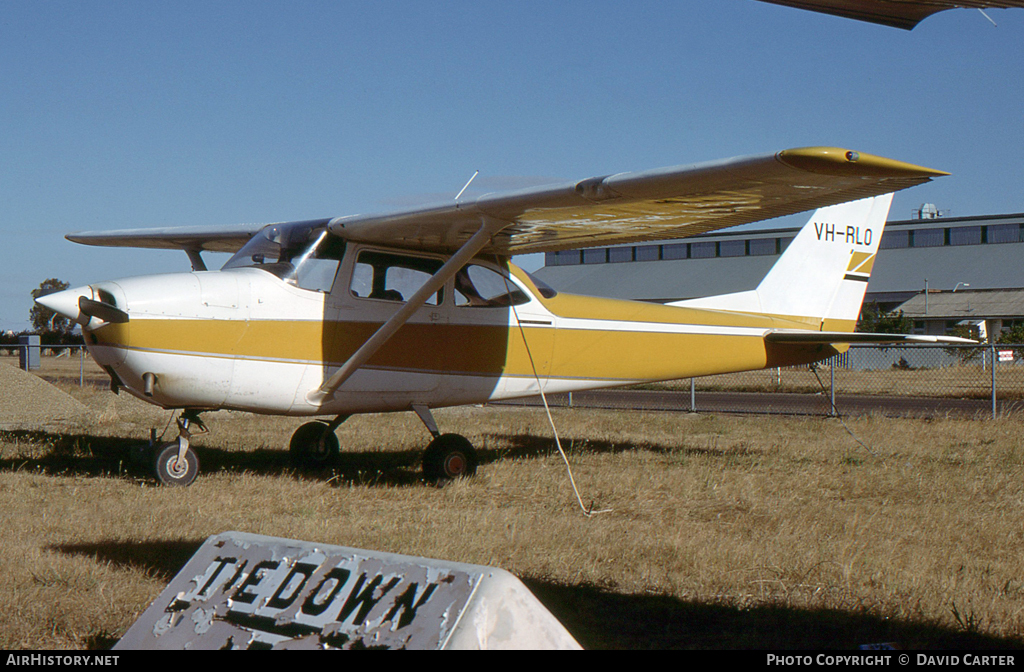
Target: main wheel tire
[[448, 457], [172, 471], [313, 446]]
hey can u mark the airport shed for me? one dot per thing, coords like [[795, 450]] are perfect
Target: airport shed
[[939, 312], [930, 252]]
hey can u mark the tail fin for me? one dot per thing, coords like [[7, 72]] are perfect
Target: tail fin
[[823, 274]]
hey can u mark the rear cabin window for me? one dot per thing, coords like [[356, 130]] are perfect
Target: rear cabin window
[[481, 287]]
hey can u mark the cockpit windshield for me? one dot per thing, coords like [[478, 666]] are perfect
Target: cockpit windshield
[[304, 254]]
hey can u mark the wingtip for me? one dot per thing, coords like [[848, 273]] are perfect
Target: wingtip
[[839, 161]]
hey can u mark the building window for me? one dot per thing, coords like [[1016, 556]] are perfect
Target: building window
[[648, 253], [675, 251], [732, 248], [784, 243], [892, 240], [1004, 233], [965, 235], [563, 258], [927, 237], [702, 250], [762, 246], [595, 255], [620, 254]]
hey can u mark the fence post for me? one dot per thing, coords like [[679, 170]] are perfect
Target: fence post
[[993, 346], [693, 396], [81, 366], [29, 351], [832, 388]]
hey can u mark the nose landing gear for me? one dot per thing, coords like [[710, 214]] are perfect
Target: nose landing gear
[[175, 463]]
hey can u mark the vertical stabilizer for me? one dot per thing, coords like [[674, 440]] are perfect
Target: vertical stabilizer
[[824, 272]]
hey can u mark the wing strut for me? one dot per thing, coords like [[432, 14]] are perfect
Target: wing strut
[[477, 242], [196, 258]]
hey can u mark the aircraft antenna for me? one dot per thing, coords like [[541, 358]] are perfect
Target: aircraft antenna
[[987, 17], [477, 173]]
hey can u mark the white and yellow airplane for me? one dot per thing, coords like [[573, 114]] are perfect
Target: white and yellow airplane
[[421, 308]]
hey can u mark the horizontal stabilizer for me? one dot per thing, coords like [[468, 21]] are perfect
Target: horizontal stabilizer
[[798, 336]]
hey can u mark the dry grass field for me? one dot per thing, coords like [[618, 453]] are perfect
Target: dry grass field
[[724, 532]]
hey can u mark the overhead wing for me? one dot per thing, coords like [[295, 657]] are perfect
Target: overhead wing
[[808, 337], [898, 13], [197, 238], [659, 204]]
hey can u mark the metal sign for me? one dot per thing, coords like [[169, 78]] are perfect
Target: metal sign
[[243, 591]]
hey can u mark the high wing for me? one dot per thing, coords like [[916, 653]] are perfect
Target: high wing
[[659, 204], [190, 238], [897, 13]]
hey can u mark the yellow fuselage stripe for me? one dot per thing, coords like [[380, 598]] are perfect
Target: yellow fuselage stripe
[[629, 341]]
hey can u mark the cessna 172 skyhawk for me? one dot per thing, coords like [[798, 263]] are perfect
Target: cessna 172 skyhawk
[[421, 308]]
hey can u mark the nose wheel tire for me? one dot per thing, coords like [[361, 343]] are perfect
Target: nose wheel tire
[[173, 471], [448, 457], [313, 446]]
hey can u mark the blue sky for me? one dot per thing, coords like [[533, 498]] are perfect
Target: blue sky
[[128, 114]]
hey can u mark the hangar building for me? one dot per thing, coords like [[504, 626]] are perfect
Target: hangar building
[[940, 271]]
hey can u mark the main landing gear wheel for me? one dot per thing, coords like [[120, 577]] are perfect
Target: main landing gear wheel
[[314, 445], [173, 471], [448, 457]]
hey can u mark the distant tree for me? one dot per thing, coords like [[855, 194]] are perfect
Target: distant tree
[[45, 320], [874, 321], [966, 353], [1015, 335]]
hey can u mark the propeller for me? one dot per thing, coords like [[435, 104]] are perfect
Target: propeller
[[102, 311]]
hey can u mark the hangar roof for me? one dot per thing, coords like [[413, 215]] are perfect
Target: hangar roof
[[966, 305]]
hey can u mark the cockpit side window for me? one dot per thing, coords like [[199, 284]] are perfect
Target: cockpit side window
[[393, 277], [480, 287]]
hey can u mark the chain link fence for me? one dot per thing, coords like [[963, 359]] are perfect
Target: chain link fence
[[914, 380], [55, 363], [893, 380]]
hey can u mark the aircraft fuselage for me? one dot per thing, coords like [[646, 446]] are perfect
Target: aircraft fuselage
[[245, 339]]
